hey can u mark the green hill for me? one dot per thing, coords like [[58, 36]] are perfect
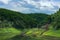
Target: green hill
[[19, 20]]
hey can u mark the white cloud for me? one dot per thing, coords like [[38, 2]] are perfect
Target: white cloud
[[41, 3], [5, 1], [47, 5], [18, 7], [44, 4], [14, 4], [56, 4]]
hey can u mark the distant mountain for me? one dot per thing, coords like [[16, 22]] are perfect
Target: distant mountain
[[19, 20]]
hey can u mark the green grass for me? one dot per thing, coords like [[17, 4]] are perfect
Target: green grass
[[6, 33], [55, 33], [33, 34], [33, 31], [37, 32]]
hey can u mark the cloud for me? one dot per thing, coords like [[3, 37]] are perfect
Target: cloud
[[41, 3], [5, 1], [46, 5], [33, 5]]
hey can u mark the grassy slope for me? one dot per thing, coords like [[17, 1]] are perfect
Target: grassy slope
[[33, 34], [6, 33], [52, 32], [55, 33]]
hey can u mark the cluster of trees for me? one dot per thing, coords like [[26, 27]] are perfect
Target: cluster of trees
[[19, 20]]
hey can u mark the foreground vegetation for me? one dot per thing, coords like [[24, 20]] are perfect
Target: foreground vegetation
[[30, 34], [6, 33]]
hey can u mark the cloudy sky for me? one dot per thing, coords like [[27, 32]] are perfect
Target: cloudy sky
[[31, 6]]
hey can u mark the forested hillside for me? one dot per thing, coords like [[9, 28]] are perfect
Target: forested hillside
[[10, 18], [56, 20]]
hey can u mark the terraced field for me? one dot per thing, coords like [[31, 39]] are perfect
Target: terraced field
[[28, 34]]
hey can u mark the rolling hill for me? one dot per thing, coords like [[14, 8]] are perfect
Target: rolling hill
[[19, 20]]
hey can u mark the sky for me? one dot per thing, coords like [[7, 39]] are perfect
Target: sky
[[31, 6]]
